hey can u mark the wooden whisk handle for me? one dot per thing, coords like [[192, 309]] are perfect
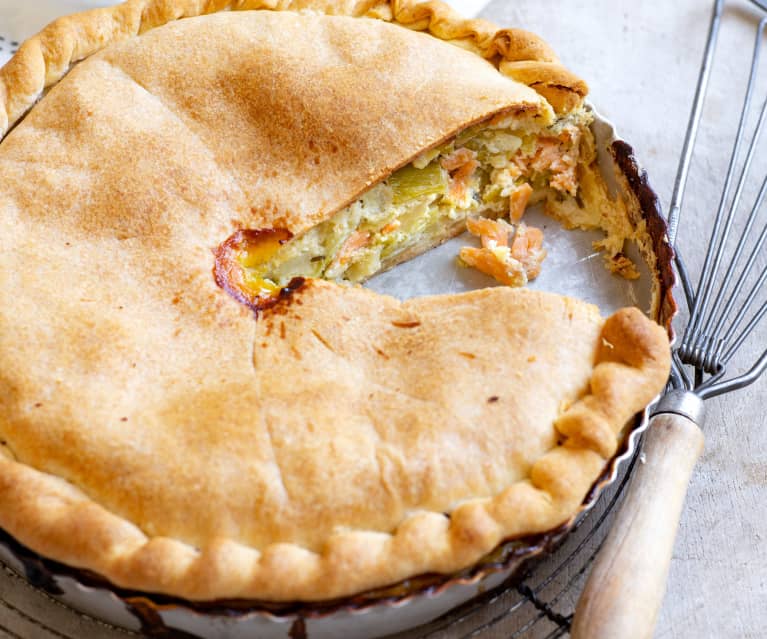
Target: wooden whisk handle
[[625, 590]]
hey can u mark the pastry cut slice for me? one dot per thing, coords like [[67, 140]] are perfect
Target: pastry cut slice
[[494, 168], [156, 432]]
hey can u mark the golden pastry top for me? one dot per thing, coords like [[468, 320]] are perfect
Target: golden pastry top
[[371, 441], [161, 438], [44, 59]]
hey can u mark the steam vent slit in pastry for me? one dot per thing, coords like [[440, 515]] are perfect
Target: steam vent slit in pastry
[[182, 170]]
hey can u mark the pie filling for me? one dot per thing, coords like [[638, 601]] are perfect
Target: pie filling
[[494, 169]]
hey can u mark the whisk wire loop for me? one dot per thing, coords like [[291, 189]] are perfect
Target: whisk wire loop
[[683, 173], [722, 301], [719, 315], [723, 225]]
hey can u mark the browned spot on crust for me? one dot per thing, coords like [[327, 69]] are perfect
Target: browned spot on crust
[[467, 355], [280, 303], [381, 353], [230, 274], [559, 87], [324, 342], [406, 323], [269, 210], [493, 399], [282, 330]]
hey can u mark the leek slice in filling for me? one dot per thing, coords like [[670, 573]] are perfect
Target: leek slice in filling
[[428, 201]]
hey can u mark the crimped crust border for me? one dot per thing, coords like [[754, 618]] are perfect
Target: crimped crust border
[[46, 58], [57, 519]]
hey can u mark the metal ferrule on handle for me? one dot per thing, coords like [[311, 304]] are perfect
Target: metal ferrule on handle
[[684, 403]]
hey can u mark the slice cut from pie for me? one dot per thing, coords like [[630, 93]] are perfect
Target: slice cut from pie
[[154, 431], [494, 168]]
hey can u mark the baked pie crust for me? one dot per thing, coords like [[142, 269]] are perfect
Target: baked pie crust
[[153, 432]]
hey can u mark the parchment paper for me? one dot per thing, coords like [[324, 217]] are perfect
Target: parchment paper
[[572, 267]]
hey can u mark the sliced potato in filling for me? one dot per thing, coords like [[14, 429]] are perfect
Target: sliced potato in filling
[[494, 170]]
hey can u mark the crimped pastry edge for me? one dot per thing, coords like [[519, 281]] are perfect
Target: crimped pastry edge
[[632, 363], [44, 59]]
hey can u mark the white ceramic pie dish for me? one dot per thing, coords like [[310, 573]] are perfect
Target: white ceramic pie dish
[[572, 268]]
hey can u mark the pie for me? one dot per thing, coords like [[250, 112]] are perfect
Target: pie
[[195, 398]]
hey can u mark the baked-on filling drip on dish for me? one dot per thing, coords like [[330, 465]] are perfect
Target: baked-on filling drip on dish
[[155, 432]]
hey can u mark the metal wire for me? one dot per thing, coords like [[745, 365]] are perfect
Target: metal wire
[[540, 592], [683, 172], [723, 224], [720, 305]]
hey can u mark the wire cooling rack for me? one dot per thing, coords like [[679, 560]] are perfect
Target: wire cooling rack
[[540, 601]]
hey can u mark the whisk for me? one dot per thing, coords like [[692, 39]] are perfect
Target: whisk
[[625, 589]]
